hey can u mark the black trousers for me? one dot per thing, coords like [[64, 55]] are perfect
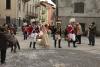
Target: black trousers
[[34, 43], [18, 45], [59, 43], [72, 42], [92, 39], [79, 38], [3, 55], [25, 35]]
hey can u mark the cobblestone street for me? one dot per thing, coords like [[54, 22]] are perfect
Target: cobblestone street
[[52, 58], [82, 56]]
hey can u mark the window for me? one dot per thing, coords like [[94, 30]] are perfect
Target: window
[[79, 7], [19, 5], [7, 19], [8, 4]]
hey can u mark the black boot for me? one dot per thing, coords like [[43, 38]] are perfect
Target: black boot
[[68, 43], [59, 43], [34, 44], [55, 41], [74, 44], [18, 45], [30, 44], [3, 56]]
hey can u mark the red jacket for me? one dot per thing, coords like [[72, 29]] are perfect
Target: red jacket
[[30, 28], [24, 29], [70, 29]]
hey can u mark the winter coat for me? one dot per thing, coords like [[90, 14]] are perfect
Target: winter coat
[[92, 30], [6, 38]]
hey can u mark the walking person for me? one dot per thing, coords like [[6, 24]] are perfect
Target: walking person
[[5, 38], [25, 31], [92, 34], [78, 32], [30, 28]]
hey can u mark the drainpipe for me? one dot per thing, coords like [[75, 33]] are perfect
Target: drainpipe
[[56, 9]]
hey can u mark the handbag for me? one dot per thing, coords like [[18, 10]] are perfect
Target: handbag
[[71, 37], [39, 37]]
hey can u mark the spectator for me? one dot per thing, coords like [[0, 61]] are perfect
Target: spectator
[[5, 37], [92, 33]]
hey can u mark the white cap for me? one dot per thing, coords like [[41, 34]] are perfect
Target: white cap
[[72, 20]]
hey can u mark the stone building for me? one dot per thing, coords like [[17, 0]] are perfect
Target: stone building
[[7, 11], [12, 11], [84, 11], [15, 11]]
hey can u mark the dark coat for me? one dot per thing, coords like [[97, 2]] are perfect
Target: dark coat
[[92, 30], [54, 29], [58, 31], [6, 38]]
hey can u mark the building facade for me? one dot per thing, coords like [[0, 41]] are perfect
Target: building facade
[[12, 11], [19, 11], [7, 11], [84, 11], [15, 11], [46, 12]]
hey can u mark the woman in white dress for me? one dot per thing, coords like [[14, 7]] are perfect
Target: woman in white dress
[[45, 39]]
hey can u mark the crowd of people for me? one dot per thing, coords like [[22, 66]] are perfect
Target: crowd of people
[[36, 32], [73, 33], [39, 34]]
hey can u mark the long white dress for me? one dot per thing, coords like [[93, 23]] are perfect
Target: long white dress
[[45, 39]]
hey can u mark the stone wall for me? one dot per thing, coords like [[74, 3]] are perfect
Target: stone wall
[[91, 12]]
